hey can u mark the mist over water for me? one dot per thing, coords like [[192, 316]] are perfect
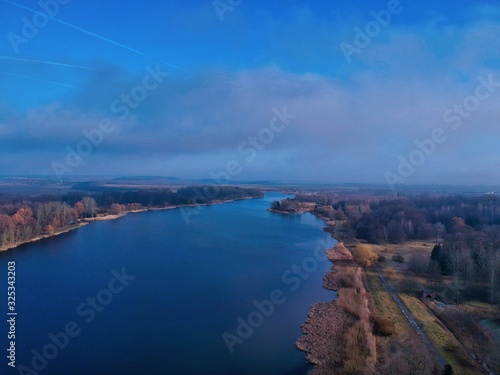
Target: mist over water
[[187, 285]]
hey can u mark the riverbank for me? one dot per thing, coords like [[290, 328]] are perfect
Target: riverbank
[[107, 217], [420, 319], [338, 334], [43, 236], [118, 216]]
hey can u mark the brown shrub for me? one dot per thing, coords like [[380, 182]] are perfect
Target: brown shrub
[[364, 255], [382, 326], [340, 277]]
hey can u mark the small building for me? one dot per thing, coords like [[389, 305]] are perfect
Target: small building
[[427, 293]]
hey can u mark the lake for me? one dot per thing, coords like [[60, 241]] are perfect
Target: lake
[[150, 293]]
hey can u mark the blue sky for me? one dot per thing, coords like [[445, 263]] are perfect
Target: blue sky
[[354, 119]]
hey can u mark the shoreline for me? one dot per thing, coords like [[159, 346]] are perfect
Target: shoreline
[[87, 221], [338, 334], [42, 236], [330, 334]]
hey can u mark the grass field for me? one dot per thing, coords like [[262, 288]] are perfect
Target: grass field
[[384, 305], [447, 344], [454, 341], [402, 352]]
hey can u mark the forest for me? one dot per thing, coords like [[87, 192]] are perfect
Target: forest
[[466, 231], [25, 217]]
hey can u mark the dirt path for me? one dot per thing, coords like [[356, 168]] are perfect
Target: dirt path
[[411, 319]]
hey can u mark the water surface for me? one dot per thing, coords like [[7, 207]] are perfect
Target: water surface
[[192, 283]]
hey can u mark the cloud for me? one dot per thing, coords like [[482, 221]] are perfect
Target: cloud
[[338, 128], [349, 126]]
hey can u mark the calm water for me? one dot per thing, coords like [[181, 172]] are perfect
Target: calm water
[[192, 283]]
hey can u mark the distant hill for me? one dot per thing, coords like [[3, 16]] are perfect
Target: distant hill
[[212, 181], [146, 178]]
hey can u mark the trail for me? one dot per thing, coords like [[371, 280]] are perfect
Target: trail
[[411, 319]]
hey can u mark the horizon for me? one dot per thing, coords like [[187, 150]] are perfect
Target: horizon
[[389, 93], [78, 183]]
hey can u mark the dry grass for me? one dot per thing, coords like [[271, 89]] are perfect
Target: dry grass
[[448, 345], [406, 250], [382, 326], [402, 352], [323, 334], [338, 336], [360, 345], [384, 305]]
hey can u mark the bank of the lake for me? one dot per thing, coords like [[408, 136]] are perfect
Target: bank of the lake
[[338, 334], [106, 217], [43, 236]]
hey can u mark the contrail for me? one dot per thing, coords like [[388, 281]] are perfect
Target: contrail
[[39, 79], [173, 66], [76, 28], [88, 33], [45, 62]]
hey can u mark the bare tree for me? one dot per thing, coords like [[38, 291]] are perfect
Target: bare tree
[[493, 269], [455, 261], [418, 263], [489, 261], [468, 263], [439, 228], [90, 206]]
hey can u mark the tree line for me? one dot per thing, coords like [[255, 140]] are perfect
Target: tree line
[[379, 219], [24, 217], [466, 230]]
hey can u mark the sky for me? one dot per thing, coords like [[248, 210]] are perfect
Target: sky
[[387, 92]]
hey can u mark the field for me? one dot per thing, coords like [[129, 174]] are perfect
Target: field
[[454, 329]]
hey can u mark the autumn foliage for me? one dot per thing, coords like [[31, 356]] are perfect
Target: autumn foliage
[[364, 255]]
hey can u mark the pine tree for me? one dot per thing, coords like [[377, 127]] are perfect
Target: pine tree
[[448, 370], [436, 251]]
